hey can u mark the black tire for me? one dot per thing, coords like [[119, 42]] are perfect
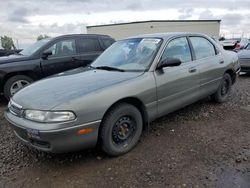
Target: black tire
[[121, 115], [222, 93], [9, 84]]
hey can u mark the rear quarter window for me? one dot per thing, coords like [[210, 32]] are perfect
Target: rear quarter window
[[202, 47]]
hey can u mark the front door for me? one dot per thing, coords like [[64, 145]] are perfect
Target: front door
[[177, 86], [63, 57]]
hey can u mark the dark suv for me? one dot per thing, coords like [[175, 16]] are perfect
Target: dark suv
[[47, 57]]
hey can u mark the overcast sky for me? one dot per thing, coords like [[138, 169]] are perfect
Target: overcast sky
[[26, 19]]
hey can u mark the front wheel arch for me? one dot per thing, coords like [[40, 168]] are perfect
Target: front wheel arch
[[129, 100], [111, 122], [9, 82]]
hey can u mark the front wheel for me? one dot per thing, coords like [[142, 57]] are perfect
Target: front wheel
[[121, 129], [14, 84], [222, 93]]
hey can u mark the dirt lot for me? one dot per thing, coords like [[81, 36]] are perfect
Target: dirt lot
[[202, 145]]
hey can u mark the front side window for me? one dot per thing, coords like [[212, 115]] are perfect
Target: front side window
[[202, 47], [178, 48], [134, 54], [63, 48]]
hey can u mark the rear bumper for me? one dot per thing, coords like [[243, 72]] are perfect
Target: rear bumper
[[57, 140]]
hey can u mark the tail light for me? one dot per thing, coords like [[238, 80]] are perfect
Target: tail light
[[237, 45]]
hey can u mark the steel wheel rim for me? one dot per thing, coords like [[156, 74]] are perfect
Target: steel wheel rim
[[16, 86], [123, 131]]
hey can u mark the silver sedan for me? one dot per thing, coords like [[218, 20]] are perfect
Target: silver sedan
[[132, 83], [244, 58]]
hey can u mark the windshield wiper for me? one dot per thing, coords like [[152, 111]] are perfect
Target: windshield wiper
[[109, 68]]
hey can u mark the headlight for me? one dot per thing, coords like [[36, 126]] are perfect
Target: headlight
[[49, 117]]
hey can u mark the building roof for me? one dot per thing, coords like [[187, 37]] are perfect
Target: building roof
[[154, 21]]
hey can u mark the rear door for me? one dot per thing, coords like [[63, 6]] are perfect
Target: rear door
[[177, 86], [210, 63], [62, 58], [88, 49]]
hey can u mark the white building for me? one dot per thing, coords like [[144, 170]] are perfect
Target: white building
[[123, 30]]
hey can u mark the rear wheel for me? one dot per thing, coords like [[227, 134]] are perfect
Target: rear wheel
[[14, 84], [121, 129], [222, 94]]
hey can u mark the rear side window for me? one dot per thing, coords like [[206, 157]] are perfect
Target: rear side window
[[107, 42], [202, 47], [88, 45]]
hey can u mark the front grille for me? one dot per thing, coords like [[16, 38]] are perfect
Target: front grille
[[15, 109]]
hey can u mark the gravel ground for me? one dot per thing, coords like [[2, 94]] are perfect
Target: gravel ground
[[202, 145]]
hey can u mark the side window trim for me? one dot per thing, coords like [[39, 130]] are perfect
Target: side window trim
[[191, 49], [101, 43]]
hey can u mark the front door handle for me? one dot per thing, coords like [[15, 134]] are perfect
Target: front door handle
[[221, 62], [192, 70]]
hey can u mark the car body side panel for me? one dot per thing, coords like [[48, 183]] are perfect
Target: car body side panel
[[32, 65], [211, 72], [176, 87]]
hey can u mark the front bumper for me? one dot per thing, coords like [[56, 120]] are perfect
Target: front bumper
[[54, 140], [245, 65]]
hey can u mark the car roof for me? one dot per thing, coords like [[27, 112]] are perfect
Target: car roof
[[166, 35], [81, 35]]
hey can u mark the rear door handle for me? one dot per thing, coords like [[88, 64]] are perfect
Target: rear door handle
[[192, 70], [221, 62]]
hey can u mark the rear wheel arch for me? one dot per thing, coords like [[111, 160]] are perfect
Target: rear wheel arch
[[232, 75]]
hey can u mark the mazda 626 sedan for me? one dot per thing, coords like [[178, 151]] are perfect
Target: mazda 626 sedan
[[133, 82]]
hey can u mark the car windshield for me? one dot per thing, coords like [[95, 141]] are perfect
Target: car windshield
[[129, 55], [34, 47]]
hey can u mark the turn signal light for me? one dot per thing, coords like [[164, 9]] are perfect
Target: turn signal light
[[85, 131]]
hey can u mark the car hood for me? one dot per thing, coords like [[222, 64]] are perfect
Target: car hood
[[243, 54], [12, 58], [48, 93]]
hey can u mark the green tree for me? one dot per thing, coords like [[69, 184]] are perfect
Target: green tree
[[7, 43], [40, 37]]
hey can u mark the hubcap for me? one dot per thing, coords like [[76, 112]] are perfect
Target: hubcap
[[123, 130], [16, 86], [225, 87]]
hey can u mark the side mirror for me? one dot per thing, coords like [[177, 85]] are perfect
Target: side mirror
[[46, 54], [169, 62]]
